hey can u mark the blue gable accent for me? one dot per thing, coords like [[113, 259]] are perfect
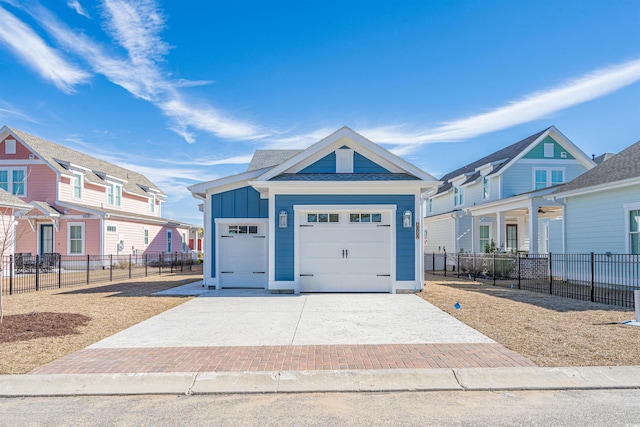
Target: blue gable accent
[[243, 202], [327, 164], [405, 237], [361, 164]]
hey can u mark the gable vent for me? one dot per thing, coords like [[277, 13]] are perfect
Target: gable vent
[[31, 156], [563, 154]]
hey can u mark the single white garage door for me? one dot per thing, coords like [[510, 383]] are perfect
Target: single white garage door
[[243, 255], [346, 251]]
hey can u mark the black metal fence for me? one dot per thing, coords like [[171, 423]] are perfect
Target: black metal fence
[[604, 278], [27, 273]]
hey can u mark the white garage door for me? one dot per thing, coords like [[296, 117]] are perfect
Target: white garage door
[[243, 255], [346, 251]]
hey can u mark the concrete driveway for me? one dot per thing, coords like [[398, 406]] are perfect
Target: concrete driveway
[[259, 318]]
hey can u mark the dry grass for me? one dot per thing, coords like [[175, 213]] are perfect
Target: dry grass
[[549, 330], [111, 307]]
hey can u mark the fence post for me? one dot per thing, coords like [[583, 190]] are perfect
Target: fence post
[[494, 269], [519, 272], [182, 262], [161, 261], [458, 264], [445, 263], [550, 274], [129, 266], [146, 265], [37, 272], [88, 267], [475, 272], [593, 280], [111, 267], [59, 270], [10, 275], [433, 262]]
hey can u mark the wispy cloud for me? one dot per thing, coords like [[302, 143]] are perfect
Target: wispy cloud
[[532, 107], [33, 50], [136, 27], [9, 111], [75, 5]]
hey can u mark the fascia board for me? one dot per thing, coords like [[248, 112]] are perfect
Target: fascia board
[[595, 188], [342, 184], [212, 186], [80, 208]]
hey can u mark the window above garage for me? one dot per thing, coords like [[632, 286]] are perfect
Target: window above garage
[[243, 229], [323, 217], [365, 217]]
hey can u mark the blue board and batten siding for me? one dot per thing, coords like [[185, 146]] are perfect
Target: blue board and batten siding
[[405, 237], [361, 164], [243, 202]]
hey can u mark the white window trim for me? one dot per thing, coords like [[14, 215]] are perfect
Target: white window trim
[[152, 203], [628, 207], [458, 199], [485, 224], [169, 246], [10, 180], [430, 205], [75, 224], [549, 146], [73, 185], [112, 186], [548, 171], [488, 180], [10, 143]]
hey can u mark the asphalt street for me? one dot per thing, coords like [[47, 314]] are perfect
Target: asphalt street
[[515, 408]]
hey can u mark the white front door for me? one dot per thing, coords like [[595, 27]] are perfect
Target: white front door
[[243, 255], [345, 251]]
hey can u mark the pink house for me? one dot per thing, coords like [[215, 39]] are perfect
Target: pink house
[[81, 205]]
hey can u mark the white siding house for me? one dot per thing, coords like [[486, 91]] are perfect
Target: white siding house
[[500, 198]]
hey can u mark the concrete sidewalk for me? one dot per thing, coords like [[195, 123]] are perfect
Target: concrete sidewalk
[[192, 383]]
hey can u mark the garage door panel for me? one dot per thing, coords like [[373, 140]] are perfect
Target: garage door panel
[[243, 256], [345, 256]]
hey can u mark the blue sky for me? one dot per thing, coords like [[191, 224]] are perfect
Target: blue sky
[[186, 91]]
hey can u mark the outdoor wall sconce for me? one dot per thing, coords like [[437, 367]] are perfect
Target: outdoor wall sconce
[[406, 219], [283, 219]]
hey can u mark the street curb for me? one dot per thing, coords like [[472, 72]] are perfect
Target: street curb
[[374, 380]]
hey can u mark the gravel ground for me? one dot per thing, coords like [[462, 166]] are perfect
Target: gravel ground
[[549, 330], [110, 308]]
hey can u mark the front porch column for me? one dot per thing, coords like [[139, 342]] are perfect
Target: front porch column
[[500, 231], [520, 233], [475, 229], [533, 228]]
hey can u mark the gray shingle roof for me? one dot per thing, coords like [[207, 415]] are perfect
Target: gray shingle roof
[[602, 157], [9, 200], [505, 155], [622, 166], [268, 158], [344, 177], [56, 155]]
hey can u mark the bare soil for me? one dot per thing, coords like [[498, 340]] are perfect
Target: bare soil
[[547, 329], [39, 327]]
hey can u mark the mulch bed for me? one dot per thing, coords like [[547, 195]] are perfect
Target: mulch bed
[[24, 327]]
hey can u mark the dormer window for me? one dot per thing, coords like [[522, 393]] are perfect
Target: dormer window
[[458, 196], [114, 194], [485, 187], [77, 186], [152, 203]]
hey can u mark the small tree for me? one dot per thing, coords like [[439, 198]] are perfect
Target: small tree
[[490, 248], [9, 235]]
